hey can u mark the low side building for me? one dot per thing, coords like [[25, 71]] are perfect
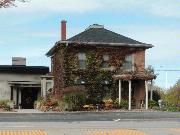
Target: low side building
[[23, 84]]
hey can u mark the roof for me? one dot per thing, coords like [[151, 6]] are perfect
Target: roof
[[97, 35], [16, 69], [100, 34], [135, 76]]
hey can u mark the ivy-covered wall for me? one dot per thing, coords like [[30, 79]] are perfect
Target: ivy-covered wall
[[58, 70], [99, 82]]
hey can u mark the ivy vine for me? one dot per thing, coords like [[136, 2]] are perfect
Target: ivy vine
[[99, 82]]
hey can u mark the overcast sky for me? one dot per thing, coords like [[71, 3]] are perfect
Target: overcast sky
[[32, 28]]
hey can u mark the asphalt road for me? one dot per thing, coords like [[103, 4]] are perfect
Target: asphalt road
[[88, 116], [81, 128], [81, 123]]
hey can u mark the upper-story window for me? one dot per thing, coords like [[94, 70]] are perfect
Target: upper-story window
[[128, 62], [82, 60], [80, 80], [105, 61]]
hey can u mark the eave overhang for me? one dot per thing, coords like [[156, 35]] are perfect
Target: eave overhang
[[97, 44]]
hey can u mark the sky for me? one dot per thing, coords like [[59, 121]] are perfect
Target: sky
[[31, 29]]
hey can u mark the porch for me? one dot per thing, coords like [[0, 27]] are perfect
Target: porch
[[24, 94], [134, 88]]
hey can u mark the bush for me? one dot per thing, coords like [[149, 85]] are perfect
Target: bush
[[74, 101], [61, 106], [157, 108], [172, 108], [152, 104], [39, 103], [70, 101], [108, 103], [50, 104], [4, 105], [88, 107], [7, 108], [116, 103], [123, 104], [172, 98], [3, 102]]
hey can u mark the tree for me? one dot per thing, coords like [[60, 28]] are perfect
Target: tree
[[9, 3], [172, 96], [158, 92]]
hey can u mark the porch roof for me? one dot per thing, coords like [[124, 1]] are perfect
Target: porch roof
[[25, 83], [135, 76]]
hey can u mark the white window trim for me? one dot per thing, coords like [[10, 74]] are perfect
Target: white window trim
[[133, 61], [82, 57]]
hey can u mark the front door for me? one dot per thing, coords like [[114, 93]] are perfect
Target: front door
[[28, 97]]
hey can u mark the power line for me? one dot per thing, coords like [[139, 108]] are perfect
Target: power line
[[167, 70]]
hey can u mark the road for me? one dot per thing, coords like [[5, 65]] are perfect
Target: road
[[82, 128], [87, 116], [101, 123]]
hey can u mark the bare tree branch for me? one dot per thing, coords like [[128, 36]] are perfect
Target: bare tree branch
[[9, 3]]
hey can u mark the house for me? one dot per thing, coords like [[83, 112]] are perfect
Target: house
[[23, 84], [79, 62]]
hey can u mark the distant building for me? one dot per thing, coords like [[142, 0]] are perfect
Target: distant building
[[23, 84], [120, 55]]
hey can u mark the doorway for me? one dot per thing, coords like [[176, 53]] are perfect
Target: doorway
[[28, 96]]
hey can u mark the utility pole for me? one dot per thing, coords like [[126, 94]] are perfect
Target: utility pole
[[166, 72], [166, 80]]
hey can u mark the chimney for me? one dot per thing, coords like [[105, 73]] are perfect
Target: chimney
[[18, 61], [63, 30]]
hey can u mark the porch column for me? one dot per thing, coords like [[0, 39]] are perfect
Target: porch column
[[151, 96], [19, 102], [129, 95], [146, 87], [119, 92], [12, 93], [17, 97], [43, 87]]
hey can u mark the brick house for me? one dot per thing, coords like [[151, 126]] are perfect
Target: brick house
[[78, 62]]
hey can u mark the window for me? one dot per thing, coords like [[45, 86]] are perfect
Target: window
[[106, 81], [82, 60], [128, 63], [80, 80], [105, 61]]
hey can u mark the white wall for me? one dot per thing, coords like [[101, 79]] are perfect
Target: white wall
[[20, 77], [5, 90]]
